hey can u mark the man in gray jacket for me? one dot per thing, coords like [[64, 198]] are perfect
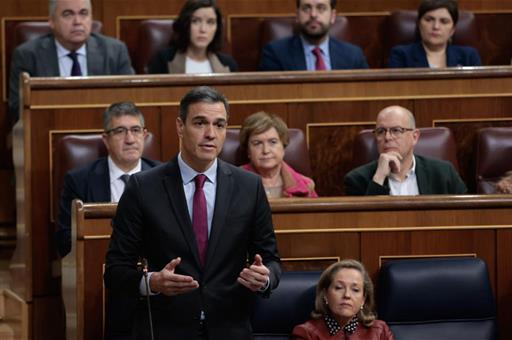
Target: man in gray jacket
[[69, 50]]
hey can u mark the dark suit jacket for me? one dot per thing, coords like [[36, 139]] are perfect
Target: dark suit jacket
[[152, 221], [90, 183], [159, 63], [288, 55], [38, 57], [434, 177], [414, 55]]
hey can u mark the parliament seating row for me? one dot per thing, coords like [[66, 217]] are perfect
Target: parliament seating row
[[431, 298], [397, 28], [144, 37], [494, 145]]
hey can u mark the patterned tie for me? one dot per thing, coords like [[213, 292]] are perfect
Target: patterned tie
[[319, 64], [75, 68], [200, 218]]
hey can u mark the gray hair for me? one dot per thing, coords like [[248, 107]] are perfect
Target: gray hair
[[52, 5], [121, 109]]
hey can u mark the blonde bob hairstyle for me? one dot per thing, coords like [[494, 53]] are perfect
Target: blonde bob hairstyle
[[366, 315]]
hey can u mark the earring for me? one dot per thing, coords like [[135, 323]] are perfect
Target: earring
[[326, 302], [362, 307]]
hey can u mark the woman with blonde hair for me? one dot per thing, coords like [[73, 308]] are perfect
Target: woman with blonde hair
[[344, 307]]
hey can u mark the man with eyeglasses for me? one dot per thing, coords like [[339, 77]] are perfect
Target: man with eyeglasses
[[312, 49], [398, 171], [104, 180]]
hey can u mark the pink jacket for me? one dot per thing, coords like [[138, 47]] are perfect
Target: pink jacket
[[294, 184]]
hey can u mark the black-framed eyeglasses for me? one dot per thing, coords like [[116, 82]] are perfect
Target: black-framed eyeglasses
[[122, 131], [395, 131]]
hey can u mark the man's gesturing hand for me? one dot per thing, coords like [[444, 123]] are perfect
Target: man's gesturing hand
[[169, 283], [256, 276]]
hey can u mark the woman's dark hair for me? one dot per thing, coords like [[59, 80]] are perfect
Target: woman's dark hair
[[431, 5], [181, 27]]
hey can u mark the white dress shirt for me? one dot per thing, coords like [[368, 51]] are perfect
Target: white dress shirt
[[409, 186], [189, 187], [116, 183], [311, 58], [65, 62]]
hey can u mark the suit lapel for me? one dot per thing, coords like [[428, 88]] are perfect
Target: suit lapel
[[48, 56], [177, 64], [99, 183], [452, 59], [144, 165], [222, 201], [419, 55], [299, 59], [173, 184], [422, 177], [94, 57]]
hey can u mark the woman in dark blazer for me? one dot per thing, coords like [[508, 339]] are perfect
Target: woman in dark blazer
[[434, 29], [196, 42]]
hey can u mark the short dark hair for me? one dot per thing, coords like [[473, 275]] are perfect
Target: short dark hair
[[121, 109], [333, 4], [181, 26], [201, 94], [431, 5], [367, 314]]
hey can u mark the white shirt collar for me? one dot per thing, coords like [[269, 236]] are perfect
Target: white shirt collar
[[63, 52], [324, 46], [115, 172], [188, 174], [412, 170]]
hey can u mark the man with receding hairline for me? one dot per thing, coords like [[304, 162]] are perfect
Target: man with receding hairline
[[398, 171], [69, 50]]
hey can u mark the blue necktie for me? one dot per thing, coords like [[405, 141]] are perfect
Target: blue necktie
[[75, 68]]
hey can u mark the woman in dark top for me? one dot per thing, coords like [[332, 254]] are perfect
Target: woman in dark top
[[196, 42], [434, 29]]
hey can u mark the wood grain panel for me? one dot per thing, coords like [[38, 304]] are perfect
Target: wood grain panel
[[311, 232], [349, 97]]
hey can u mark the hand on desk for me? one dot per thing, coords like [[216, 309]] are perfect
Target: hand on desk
[[168, 283], [256, 276]]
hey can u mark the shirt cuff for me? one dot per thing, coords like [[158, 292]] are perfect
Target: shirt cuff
[[143, 289], [265, 287]]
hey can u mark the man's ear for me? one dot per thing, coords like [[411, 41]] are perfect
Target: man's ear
[[179, 126]]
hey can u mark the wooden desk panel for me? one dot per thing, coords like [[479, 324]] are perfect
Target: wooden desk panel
[[329, 107], [312, 233]]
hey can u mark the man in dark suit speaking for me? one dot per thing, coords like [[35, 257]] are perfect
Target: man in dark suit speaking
[[205, 228], [312, 49], [70, 50]]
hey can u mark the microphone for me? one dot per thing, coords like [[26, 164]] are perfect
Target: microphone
[[146, 281]]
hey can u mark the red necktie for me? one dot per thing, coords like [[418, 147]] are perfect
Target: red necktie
[[200, 218], [319, 64]]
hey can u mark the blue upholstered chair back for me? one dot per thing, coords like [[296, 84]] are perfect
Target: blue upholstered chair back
[[437, 298], [289, 305]]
